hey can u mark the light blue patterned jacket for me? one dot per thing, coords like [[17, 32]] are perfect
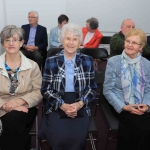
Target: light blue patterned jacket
[[112, 85]]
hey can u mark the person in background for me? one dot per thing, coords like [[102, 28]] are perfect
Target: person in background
[[35, 43], [20, 80], [148, 40], [68, 88], [54, 40], [127, 89], [91, 35], [117, 40]]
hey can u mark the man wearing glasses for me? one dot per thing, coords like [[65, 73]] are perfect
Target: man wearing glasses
[[118, 39], [35, 43]]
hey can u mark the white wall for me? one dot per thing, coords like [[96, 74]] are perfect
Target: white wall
[[110, 13]]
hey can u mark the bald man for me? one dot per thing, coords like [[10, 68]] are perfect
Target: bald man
[[117, 40]]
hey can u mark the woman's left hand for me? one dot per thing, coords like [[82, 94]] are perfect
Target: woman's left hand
[[10, 105], [72, 111], [21, 108], [143, 107]]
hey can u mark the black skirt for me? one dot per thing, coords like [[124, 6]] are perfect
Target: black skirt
[[133, 131], [64, 133]]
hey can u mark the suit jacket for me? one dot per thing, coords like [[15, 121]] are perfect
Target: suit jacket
[[113, 86], [95, 41], [53, 39], [40, 36]]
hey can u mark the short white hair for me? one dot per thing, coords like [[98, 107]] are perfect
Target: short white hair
[[35, 13], [75, 29]]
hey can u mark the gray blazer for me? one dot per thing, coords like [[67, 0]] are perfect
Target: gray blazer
[[112, 85], [53, 39]]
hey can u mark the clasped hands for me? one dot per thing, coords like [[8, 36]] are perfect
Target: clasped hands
[[70, 109], [15, 104], [31, 48], [138, 109]]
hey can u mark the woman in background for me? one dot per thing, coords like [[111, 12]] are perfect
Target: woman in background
[[91, 35], [68, 87], [20, 82], [54, 40], [127, 89]]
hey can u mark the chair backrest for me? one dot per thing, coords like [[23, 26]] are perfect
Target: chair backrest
[[105, 40], [96, 53], [53, 51], [99, 77]]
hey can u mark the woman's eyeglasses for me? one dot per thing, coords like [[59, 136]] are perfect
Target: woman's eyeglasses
[[132, 43], [14, 41]]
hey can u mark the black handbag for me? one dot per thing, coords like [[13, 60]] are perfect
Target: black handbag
[[69, 98]]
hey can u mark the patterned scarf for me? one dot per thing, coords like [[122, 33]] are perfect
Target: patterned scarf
[[132, 78], [12, 73]]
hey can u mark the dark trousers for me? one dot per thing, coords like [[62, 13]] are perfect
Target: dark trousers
[[16, 127], [35, 56], [133, 131]]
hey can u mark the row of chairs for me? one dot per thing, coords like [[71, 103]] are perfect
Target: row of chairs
[[110, 120]]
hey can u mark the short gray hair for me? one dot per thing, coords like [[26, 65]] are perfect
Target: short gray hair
[[93, 23], [124, 21], [73, 28], [35, 13], [9, 30]]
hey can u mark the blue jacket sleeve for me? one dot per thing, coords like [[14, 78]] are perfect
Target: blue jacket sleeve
[[53, 39], [112, 89]]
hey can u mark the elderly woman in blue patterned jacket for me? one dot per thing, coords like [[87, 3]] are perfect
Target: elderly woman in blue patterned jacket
[[20, 83], [68, 87], [127, 89]]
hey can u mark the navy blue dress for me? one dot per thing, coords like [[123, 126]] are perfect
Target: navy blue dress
[[64, 133]]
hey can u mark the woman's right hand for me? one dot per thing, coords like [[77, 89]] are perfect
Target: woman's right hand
[[69, 109], [11, 104], [18, 108], [133, 109]]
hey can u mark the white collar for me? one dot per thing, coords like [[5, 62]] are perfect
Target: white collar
[[25, 63]]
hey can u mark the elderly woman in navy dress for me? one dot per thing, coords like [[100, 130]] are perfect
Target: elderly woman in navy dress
[[68, 88]]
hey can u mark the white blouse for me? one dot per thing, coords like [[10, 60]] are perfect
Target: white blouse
[[88, 37]]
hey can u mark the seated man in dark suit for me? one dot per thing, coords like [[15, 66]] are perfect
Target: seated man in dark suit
[[35, 43]]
